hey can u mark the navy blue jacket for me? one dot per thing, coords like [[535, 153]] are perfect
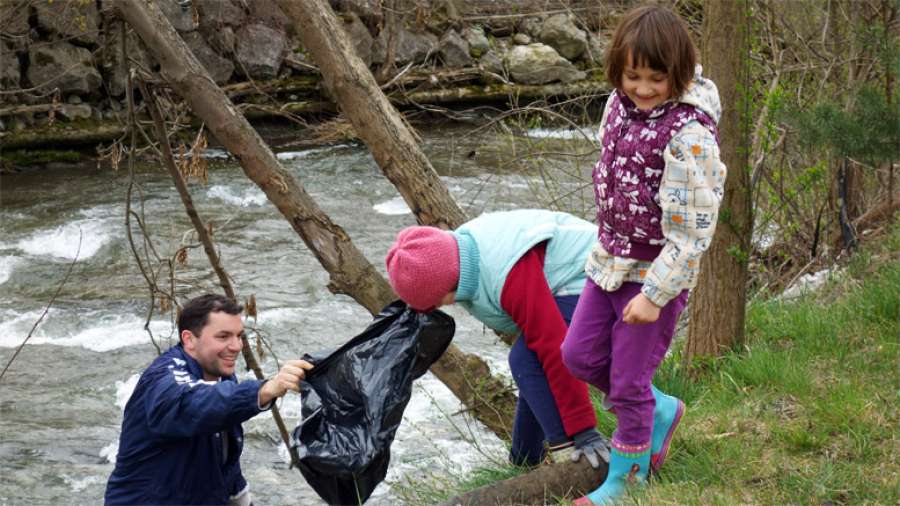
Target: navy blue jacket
[[171, 448]]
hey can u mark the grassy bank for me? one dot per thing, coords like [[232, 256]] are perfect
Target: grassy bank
[[806, 413]]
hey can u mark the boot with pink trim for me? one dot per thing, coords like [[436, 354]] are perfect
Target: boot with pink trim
[[628, 467], [666, 416]]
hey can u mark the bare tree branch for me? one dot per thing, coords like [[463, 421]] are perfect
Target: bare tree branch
[[203, 233]]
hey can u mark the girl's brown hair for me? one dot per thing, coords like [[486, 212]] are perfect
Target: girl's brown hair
[[655, 37]]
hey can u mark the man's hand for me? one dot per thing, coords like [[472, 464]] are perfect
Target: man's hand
[[640, 310], [288, 378]]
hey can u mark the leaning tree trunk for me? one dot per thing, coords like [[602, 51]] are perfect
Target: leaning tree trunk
[[350, 272], [375, 120], [718, 304], [381, 127], [398, 155]]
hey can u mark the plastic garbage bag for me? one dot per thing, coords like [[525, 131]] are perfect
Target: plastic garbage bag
[[353, 401]]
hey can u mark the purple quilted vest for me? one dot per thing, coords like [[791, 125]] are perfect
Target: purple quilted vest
[[629, 171]]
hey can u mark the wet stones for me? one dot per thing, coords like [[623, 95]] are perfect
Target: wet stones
[[10, 77], [14, 25], [219, 68], [74, 20], [454, 50], [540, 64], [560, 33], [64, 66], [478, 42], [411, 47], [259, 51]]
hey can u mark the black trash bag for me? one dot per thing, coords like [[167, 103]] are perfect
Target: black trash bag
[[353, 400]]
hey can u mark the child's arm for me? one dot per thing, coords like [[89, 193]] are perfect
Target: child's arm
[[527, 298], [690, 193], [609, 100]]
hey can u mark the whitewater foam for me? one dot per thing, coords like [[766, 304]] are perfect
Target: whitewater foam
[[110, 451], [124, 389], [274, 316], [7, 266], [108, 333], [394, 207], [215, 154], [79, 484], [249, 197], [62, 241], [562, 133], [294, 155]]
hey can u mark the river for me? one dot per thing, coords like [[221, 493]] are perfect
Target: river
[[61, 401]]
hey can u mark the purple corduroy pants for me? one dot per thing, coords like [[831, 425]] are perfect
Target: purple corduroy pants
[[619, 358]]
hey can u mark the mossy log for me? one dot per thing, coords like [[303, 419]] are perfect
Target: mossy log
[[91, 132], [52, 137], [500, 93], [29, 109], [304, 85]]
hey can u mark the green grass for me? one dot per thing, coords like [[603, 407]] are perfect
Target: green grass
[[805, 413]]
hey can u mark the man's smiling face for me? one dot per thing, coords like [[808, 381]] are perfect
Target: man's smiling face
[[217, 347]]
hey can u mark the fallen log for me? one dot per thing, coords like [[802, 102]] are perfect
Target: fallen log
[[29, 109], [493, 93], [546, 484], [83, 133], [302, 84], [78, 134]]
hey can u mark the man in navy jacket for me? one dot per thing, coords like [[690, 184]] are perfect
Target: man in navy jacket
[[181, 435]]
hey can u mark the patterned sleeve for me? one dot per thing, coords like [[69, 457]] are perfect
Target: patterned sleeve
[[691, 190], [605, 114]]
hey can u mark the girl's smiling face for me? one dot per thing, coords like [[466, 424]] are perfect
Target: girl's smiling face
[[646, 87]]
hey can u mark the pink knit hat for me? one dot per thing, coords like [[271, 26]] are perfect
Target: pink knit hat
[[423, 266]]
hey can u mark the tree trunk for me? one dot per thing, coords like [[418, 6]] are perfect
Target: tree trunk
[[847, 192], [396, 151], [381, 127], [375, 120], [350, 272], [718, 303], [545, 485]]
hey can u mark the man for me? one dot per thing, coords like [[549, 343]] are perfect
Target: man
[[181, 435]]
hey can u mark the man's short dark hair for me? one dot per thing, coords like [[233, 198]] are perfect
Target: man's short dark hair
[[195, 314]]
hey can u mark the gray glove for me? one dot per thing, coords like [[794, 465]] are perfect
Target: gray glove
[[592, 445]]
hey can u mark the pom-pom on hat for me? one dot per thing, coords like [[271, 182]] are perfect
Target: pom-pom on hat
[[423, 266]]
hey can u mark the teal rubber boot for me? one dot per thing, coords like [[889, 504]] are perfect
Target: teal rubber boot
[[628, 467], [666, 416]]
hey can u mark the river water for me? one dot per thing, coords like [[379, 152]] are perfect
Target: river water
[[61, 401]]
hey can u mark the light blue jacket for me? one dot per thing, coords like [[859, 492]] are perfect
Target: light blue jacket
[[491, 244]]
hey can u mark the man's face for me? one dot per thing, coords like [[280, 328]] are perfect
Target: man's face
[[217, 347]]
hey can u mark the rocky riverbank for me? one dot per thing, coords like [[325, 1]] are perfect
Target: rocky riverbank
[[64, 63]]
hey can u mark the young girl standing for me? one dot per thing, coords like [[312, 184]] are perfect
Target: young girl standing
[[658, 185]]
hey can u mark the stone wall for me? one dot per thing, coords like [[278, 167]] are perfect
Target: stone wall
[[70, 53]]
